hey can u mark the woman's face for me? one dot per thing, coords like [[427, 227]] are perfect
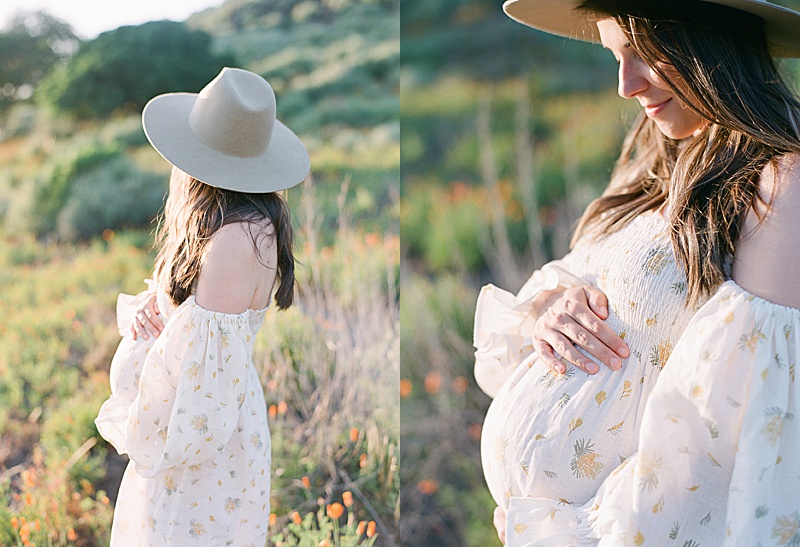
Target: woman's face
[[637, 80]]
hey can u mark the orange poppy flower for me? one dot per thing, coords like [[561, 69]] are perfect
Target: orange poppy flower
[[335, 510]]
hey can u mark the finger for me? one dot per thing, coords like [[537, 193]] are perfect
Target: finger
[[598, 301], [588, 341], [149, 323], [603, 333], [151, 311], [141, 327], [133, 329], [548, 357], [568, 351]]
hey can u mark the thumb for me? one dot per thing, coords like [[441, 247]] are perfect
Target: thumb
[[598, 302]]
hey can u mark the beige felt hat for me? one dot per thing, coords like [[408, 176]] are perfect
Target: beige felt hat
[[227, 135], [782, 25]]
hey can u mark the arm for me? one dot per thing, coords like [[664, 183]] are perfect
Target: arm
[[767, 259]]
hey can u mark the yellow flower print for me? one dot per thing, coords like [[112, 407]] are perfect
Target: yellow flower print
[[196, 529], [200, 423], [192, 370], [656, 260], [748, 342], [600, 397], [169, 485], [638, 539], [626, 389], [188, 327], [240, 399], [585, 463], [575, 424], [647, 468], [255, 440], [232, 504], [773, 426], [729, 318], [520, 528], [786, 529], [660, 353]]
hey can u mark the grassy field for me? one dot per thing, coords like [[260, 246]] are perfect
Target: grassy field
[[329, 365]]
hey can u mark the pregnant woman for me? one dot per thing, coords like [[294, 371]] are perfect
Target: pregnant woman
[[643, 385], [187, 406]]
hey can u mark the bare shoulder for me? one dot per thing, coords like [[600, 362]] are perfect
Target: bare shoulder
[[767, 261], [233, 267]]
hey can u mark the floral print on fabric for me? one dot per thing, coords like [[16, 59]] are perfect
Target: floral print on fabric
[[558, 436], [188, 409], [718, 461]]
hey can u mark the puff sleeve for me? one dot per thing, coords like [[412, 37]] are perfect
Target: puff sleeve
[[503, 324], [718, 461], [126, 369], [192, 387]]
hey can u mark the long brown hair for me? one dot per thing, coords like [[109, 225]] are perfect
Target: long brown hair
[[710, 181], [195, 211]]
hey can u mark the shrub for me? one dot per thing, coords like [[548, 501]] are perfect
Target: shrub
[[111, 196], [128, 66]]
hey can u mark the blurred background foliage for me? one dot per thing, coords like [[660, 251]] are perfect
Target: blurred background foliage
[[508, 133], [79, 190]]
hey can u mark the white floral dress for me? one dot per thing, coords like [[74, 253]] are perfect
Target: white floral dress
[[706, 456], [188, 409]]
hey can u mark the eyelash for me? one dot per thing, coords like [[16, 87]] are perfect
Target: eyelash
[[617, 61]]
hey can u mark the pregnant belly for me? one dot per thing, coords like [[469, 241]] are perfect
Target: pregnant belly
[[558, 436]]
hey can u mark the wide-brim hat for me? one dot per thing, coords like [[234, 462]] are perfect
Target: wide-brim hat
[[227, 135], [560, 17]]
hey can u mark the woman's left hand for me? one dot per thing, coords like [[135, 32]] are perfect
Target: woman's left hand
[[146, 321], [499, 521]]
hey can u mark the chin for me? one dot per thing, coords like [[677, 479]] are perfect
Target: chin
[[678, 133]]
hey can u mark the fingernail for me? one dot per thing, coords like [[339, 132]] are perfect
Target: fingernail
[[616, 364], [145, 337], [603, 310], [623, 352], [592, 368], [561, 369]]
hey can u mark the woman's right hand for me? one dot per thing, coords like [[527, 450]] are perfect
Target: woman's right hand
[[146, 321], [576, 317]]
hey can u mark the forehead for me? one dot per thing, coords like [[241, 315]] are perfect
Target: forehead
[[611, 35]]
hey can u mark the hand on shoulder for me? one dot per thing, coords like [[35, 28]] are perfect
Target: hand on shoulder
[[234, 273], [767, 261]]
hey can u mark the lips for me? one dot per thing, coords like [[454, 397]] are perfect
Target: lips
[[654, 109]]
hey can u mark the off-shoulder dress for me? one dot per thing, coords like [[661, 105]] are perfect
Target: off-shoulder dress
[[188, 409]]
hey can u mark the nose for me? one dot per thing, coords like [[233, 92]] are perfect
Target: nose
[[632, 77]]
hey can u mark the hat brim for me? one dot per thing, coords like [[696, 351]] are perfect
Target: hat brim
[[284, 164], [560, 17]]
